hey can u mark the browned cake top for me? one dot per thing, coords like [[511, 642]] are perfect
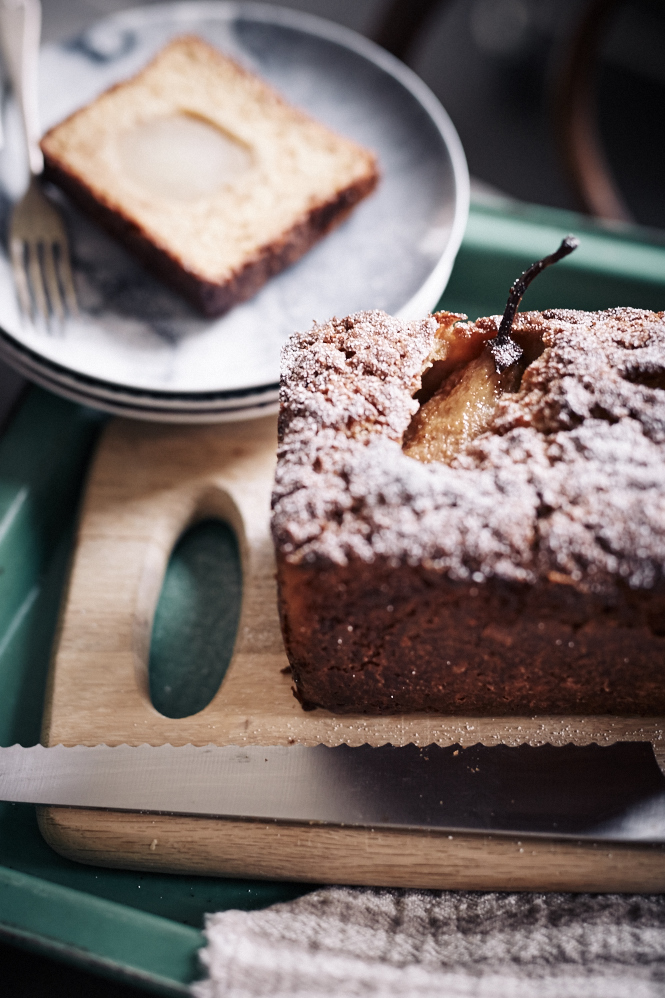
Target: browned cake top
[[568, 481]]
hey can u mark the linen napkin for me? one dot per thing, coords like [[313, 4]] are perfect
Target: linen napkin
[[362, 942]]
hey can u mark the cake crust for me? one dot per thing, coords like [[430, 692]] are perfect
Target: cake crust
[[527, 576], [212, 298]]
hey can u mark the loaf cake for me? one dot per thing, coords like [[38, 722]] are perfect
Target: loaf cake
[[456, 540], [206, 174]]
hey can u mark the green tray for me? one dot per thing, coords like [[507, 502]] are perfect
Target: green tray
[[145, 928]]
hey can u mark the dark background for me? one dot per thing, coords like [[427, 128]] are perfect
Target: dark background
[[494, 65]]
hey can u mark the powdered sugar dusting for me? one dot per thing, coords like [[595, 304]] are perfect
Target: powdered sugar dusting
[[356, 374], [569, 478]]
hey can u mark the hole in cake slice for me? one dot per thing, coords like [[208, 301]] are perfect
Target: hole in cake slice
[[181, 157]]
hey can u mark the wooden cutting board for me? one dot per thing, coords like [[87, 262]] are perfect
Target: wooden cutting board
[[148, 483]]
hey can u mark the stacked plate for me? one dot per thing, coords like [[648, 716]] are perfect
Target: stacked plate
[[137, 348]]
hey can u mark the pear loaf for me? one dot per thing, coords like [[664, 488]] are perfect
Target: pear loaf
[[206, 174], [456, 540]]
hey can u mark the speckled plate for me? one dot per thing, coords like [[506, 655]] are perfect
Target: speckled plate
[[139, 347]]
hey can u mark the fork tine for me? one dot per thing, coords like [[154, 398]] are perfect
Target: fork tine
[[20, 276], [51, 280], [67, 279], [37, 281]]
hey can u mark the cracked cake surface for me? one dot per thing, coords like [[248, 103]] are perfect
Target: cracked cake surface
[[561, 500]]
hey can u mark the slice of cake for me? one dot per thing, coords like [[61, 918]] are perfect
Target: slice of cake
[[455, 538], [206, 174]]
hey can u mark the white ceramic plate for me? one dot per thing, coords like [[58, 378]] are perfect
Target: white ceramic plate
[[139, 345], [140, 407], [45, 372]]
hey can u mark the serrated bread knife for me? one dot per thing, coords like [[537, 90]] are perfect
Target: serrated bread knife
[[614, 793]]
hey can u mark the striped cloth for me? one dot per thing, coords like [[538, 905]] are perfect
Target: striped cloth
[[379, 943]]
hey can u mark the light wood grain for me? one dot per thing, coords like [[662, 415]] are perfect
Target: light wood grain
[[148, 483], [353, 856]]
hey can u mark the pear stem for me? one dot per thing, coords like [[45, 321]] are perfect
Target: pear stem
[[503, 347]]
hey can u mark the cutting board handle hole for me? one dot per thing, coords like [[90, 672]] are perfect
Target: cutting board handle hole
[[196, 619]]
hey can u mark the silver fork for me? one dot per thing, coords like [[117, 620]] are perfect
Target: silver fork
[[37, 237]]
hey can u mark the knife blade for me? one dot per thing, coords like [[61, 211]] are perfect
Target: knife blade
[[613, 793]]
